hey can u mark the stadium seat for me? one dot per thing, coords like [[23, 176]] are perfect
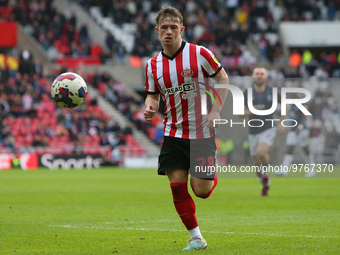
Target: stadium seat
[[90, 77], [102, 88], [96, 50]]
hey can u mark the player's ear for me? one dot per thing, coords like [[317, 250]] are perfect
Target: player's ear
[[156, 28], [182, 29]]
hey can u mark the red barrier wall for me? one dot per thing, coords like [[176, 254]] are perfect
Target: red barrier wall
[[74, 62], [8, 34]]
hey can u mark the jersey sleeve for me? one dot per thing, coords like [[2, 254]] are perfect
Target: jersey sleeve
[[150, 84], [209, 62]]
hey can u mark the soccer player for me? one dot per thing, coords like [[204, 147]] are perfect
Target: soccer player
[[178, 73], [261, 137], [298, 135]]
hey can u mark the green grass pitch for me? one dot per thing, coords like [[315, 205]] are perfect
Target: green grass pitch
[[130, 211]]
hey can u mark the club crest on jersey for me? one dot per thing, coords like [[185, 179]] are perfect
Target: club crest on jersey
[[187, 73], [214, 58]]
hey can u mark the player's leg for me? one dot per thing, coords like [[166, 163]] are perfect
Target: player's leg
[[263, 157], [253, 144], [203, 156], [203, 179], [303, 139], [266, 140], [287, 159], [262, 153], [257, 162], [183, 202], [185, 207], [310, 161], [174, 164], [291, 142], [203, 188]]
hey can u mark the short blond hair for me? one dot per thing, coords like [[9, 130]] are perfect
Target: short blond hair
[[169, 12]]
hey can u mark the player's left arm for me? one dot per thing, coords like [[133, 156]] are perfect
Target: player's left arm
[[222, 78]]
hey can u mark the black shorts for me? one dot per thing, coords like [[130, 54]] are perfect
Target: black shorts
[[196, 155]]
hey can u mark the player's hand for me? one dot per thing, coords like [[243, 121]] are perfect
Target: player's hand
[[149, 114], [280, 129], [210, 119]]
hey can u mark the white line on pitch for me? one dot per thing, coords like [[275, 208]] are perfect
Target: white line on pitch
[[212, 232]]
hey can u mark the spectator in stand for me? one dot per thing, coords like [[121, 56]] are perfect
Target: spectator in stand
[[26, 61], [242, 14], [110, 41], [70, 33], [231, 6], [321, 73], [74, 49], [9, 142], [295, 58], [84, 33], [103, 139], [73, 20], [4, 106], [333, 140], [306, 57], [39, 141], [128, 129], [121, 53], [53, 52], [262, 46], [311, 67], [120, 138], [113, 126], [331, 10], [316, 12], [336, 68], [106, 56]]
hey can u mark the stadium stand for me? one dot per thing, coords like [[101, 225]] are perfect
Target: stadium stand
[[57, 34], [31, 122], [130, 105], [227, 31]]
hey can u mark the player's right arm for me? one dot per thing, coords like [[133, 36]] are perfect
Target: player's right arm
[[153, 94], [151, 106]]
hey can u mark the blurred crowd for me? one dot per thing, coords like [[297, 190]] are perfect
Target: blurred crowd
[[57, 34], [29, 117], [307, 65], [128, 103], [221, 26], [324, 129]]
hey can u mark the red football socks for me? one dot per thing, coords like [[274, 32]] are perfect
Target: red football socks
[[184, 204]]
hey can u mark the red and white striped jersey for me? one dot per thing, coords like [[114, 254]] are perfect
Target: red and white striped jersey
[[181, 79]]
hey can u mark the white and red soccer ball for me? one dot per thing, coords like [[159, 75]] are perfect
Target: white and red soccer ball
[[69, 90]]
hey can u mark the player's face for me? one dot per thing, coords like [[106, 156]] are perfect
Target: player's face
[[169, 32], [259, 76]]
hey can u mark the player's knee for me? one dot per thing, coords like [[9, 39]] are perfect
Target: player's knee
[[204, 192], [261, 154]]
